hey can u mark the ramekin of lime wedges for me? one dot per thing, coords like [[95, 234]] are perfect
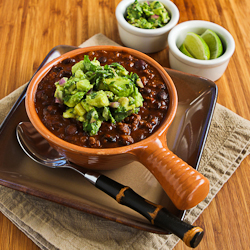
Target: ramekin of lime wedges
[[201, 48]]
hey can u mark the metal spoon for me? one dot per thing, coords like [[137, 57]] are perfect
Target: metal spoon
[[38, 149]]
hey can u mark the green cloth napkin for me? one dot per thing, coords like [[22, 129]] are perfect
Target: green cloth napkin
[[53, 226]]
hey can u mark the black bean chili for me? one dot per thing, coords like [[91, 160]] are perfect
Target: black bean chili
[[132, 129]]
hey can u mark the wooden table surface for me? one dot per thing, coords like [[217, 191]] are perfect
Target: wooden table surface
[[30, 28]]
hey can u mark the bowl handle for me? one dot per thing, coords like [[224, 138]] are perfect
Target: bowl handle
[[185, 186]]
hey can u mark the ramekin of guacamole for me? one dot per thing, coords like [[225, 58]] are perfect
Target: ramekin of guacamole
[[147, 15], [145, 25]]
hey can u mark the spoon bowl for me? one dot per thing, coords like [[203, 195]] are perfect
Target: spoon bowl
[[37, 148]]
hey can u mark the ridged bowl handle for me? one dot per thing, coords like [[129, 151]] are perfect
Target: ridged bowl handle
[[185, 186]]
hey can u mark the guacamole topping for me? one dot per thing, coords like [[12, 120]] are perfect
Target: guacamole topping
[[96, 93], [147, 15]]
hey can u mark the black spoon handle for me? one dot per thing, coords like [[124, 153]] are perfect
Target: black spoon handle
[[156, 214]]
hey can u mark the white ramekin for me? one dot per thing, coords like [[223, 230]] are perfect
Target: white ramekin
[[145, 40], [212, 69]]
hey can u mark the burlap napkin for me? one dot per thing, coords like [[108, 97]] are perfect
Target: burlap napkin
[[52, 226]]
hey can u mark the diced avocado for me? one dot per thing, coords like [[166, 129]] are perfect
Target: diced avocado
[[120, 86], [125, 102], [120, 70], [79, 110], [69, 86], [77, 66], [86, 106], [59, 93], [97, 99], [165, 17], [143, 23], [72, 100], [79, 74], [138, 98], [156, 5], [139, 83], [92, 122], [95, 127], [84, 85], [89, 65], [109, 80], [69, 113], [81, 118], [92, 115], [92, 128], [73, 92], [131, 100], [146, 9], [107, 115], [123, 72], [95, 62], [85, 65], [120, 113], [109, 94], [103, 86]]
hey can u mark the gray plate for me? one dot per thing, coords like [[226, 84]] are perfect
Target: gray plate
[[186, 138]]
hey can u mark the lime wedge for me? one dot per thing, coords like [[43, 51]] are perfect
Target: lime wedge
[[214, 43], [185, 51], [197, 46]]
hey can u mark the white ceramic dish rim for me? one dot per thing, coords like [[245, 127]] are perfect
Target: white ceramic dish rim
[[189, 25], [171, 7]]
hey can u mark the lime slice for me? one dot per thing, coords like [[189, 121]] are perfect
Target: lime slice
[[197, 46], [185, 51], [214, 43]]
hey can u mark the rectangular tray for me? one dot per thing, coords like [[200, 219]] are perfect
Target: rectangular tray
[[186, 138]]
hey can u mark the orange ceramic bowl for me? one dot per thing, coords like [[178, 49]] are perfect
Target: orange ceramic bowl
[[184, 185]]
